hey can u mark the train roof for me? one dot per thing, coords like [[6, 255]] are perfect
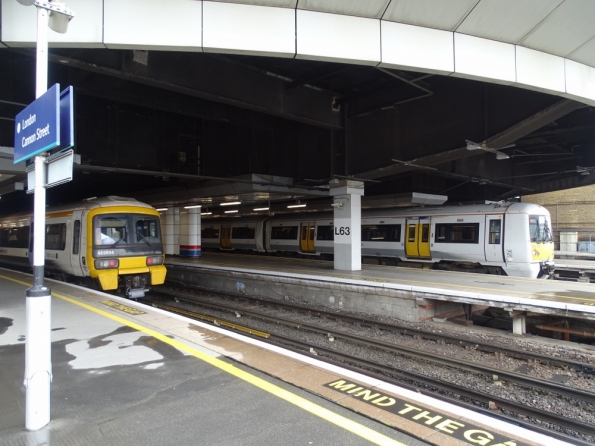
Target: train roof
[[468, 209], [87, 204]]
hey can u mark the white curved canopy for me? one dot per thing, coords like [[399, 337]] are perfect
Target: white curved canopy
[[544, 45]]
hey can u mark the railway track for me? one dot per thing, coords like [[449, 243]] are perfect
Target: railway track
[[299, 330]]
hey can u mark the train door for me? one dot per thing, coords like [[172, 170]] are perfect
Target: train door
[[417, 238], [77, 251], [493, 238], [307, 237], [225, 237]]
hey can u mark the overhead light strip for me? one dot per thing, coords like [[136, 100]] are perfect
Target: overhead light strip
[[296, 206], [231, 203]]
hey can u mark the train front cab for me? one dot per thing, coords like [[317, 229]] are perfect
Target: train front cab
[[528, 244], [125, 249], [542, 245]]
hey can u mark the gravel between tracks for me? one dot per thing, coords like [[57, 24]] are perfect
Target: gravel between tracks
[[556, 404]]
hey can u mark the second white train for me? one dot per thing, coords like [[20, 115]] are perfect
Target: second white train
[[512, 239]]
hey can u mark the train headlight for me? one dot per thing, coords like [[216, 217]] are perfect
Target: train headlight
[[151, 261], [106, 263]]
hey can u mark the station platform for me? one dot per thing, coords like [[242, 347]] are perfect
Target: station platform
[[125, 373], [406, 293], [577, 266]]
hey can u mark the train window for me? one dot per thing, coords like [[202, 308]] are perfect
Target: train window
[[55, 237], [396, 233], [495, 230], [4, 232], [457, 233], [13, 238], [244, 233], [411, 233], [539, 229], [381, 233], [146, 229], [110, 229], [325, 232], [425, 233], [23, 237], [284, 232], [209, 233], [76, 237]]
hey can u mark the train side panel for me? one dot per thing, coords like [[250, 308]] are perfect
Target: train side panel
[[283, 235], [210, 235], [458, 238], [59, 242], [324, 236], [383, 237]]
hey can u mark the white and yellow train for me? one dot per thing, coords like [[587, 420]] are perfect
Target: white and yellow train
[[110, 243], [512, 239]]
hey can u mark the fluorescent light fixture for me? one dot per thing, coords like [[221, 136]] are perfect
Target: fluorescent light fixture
[[205, 213], [502, 156], [161, 209], [231, 212], [193, 206], [260, 209], [296, 206], [231, 203]]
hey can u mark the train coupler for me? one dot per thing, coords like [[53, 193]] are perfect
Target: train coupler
[[136, 293], [135, 286]]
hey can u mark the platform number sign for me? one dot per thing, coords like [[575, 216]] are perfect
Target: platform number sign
[[343, 230]]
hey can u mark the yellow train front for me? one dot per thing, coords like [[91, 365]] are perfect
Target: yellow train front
[[124, 246]]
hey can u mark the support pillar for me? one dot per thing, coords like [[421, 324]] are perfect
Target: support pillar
[[347, 198], [190, 233], [171, 230], [519, 326]]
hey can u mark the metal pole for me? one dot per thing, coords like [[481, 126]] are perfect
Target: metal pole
[[38, 360]]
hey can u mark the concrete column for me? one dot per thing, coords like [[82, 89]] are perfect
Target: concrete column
[[347, 196], [519, 326], [190, 233], [171, 230]]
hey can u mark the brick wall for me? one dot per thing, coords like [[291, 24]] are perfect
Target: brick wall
[[571, 210]]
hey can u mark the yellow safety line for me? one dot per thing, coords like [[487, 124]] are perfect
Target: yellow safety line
[[326, 414]]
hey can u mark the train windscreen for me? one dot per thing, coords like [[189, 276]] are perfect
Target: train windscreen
[[126, 229], [539, 228]]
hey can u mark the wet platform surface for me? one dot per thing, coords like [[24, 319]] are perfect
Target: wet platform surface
[[125, 373]]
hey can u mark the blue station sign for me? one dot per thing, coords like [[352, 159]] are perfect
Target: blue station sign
[[37, 127], [66, 121]]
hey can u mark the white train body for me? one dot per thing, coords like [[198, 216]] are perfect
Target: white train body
[[513, 238], [112, 243]]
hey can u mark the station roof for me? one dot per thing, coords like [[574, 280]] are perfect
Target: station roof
[[181, 126]]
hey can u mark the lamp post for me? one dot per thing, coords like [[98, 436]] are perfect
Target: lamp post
[[38, 360]]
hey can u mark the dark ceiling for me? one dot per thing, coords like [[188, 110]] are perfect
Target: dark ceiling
[[183, 119]]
